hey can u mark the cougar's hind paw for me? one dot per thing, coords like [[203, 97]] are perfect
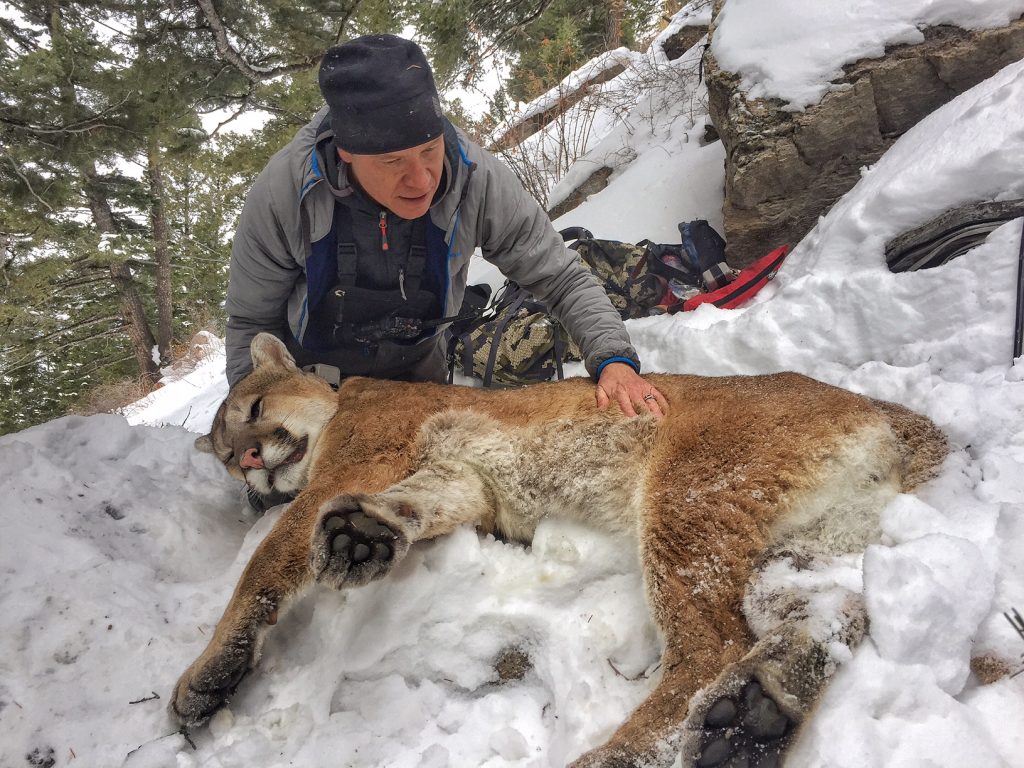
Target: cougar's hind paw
[[745, 731], [208, 685], [353, 544]]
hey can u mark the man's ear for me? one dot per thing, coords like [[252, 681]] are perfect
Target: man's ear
[[204, 444], [267, 349]]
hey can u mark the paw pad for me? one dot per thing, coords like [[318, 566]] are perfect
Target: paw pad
[[747, 732], [353, 545], [359, 537]]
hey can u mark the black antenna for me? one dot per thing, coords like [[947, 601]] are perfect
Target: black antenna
[[1018, 333]]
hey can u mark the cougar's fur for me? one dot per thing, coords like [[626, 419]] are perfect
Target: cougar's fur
[[743, 474]]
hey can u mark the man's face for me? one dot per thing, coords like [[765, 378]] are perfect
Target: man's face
[[403, 182]]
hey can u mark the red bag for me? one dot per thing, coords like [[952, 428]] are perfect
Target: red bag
[[749, 281]]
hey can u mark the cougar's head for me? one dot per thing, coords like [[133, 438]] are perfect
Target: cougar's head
[[266, 430]]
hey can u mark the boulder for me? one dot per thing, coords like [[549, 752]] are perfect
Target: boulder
[[784, 169]]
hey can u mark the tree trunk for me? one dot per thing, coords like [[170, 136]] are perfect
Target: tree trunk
[[616, 12], [162, 252], [132, 311]]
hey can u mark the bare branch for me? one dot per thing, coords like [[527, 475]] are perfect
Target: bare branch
[[252, 73], [232, 118]]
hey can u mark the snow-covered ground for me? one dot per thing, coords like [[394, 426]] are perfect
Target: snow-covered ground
[[120, 544]]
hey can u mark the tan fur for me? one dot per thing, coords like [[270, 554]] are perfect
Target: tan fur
[[745, 474]]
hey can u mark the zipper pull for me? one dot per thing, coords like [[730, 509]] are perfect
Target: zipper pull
[[384, 231], [401, 283]]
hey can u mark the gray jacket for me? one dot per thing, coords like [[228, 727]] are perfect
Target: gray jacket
[[482, 204]]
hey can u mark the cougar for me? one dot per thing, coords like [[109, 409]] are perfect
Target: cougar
[[743, 475]]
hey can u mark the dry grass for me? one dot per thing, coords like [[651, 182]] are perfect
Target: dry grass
[[115, 395], [112, 396]]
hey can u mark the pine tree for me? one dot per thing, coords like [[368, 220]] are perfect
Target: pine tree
[[116, 207], [543, 41]]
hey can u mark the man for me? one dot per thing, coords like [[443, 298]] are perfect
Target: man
[[369, 218]]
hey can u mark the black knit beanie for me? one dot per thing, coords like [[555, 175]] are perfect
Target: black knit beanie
[[381, 94]]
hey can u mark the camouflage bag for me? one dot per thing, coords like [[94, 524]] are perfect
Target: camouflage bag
[[648, 278], [622, 270], [517, 342]]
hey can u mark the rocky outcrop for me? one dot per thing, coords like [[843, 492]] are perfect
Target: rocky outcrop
[[558, 101], [593, 184], [785, 169], [682, 41]]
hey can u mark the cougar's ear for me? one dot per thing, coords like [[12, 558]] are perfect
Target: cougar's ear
[[204, 444], [267, 349]]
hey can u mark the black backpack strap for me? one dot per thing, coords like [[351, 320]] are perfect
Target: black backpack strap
[[508, 313], [558, 350], [348, 260], [575, 233], [416, 264]]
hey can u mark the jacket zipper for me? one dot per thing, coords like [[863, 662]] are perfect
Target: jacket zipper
[[384, 231], [385, 246]]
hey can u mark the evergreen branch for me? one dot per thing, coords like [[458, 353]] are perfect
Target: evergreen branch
[[75, 326], [235, 116], [253, 73], [68, 285], [124, 34], [86, 124], [101, 364], [27, 183], [47, 130], [501, 38], [35, 357], [13, 33], [345, 19]]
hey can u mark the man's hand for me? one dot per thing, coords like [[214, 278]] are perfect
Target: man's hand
[[619, 382]]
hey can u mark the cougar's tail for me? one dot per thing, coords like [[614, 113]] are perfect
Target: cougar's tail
[[922, 445]]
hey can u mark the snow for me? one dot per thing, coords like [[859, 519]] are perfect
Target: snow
[[569, 85], [793, 49], [121, 544]]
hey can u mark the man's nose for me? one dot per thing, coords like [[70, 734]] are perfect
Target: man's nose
[[418, 176]]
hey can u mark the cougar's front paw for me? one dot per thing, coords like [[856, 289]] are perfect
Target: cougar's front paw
[[748, 729], [207, 685], [354, 544]]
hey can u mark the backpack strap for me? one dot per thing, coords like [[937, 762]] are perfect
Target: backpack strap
[[517, 300], [474, 304], [558, 351], [348, 259], [577, 234], [416, 262]]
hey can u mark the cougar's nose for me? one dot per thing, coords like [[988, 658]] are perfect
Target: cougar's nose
[[251, 459]]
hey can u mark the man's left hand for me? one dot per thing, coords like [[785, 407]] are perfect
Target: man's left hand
[[620, 383]]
